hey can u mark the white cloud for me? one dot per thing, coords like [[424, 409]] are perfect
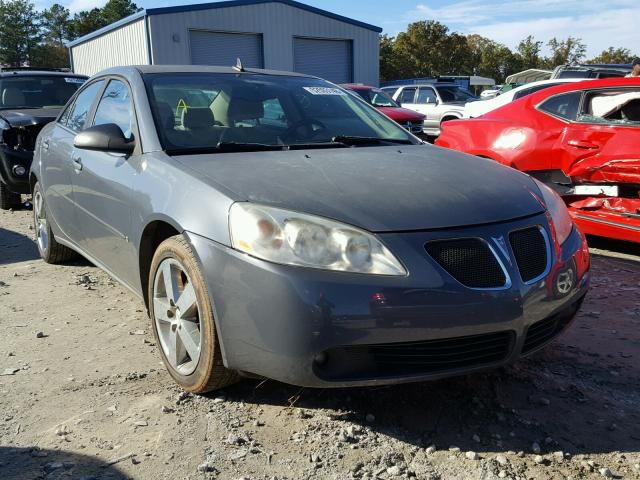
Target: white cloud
[[599, 25], [77, 5]]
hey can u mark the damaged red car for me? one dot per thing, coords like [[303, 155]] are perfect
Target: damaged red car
[[583, 139]]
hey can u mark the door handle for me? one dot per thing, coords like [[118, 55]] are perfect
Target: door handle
[[583, 145], [77, 163]]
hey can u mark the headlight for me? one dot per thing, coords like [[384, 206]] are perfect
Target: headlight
[[562, 222], [292, 238]]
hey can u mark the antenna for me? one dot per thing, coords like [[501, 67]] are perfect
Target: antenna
[[238, 67]]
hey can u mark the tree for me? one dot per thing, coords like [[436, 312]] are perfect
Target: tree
[[88, 21], [19, 32], [115, 10], [428, 49], [529, 51], [492, 59], [563, 52], [56, 24], [613, 55], [49, 55]]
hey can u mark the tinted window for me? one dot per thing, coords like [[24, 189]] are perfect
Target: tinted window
[[259, 109], [563, 106], [426, 95], [115, 107], [37, 91], [78, 114], [377, 98], [455, 94], [407, 95]]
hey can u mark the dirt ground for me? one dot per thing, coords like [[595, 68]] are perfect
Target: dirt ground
[[83, 395]]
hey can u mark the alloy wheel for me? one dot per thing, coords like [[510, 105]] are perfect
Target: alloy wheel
[[40, 220], [177, 316]]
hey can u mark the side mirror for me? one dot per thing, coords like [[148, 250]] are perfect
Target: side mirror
[[104, 138]]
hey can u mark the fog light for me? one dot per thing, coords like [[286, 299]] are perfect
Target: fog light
[[19, 170]]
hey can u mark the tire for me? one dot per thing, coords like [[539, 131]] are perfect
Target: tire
[[8, 199], [50, 250], [182, 319]]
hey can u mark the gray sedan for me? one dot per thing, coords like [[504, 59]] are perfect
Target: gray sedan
[[276, 226]]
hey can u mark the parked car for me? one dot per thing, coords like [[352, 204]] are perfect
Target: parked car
[[491, 92], [582, 138], [480, 107], [331, 249], [592, 71], [29, 99], [439, 102], [409, 119]]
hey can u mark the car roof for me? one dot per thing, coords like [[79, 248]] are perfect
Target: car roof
[[584, 84], [158, 69], [38, 73]]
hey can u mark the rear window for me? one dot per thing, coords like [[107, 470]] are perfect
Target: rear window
[[564, 106]]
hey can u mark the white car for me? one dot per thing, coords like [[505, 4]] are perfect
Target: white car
[[490, 92], [480, 107]]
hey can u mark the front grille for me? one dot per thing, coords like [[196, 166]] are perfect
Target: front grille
[[469, 260], [530, 249], [416, 358]]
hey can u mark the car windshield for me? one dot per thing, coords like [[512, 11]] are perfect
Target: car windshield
[[22, 91], [377, 98], [207, 111], [455, 94]]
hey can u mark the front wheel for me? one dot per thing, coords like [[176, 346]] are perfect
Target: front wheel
[[182, 319], [8, 199]]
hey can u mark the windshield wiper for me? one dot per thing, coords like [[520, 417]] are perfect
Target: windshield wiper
[[247, 147], [352, 140], [19, 107]]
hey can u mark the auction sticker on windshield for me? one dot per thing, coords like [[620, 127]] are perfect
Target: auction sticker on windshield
[[324, 91], [74, 80]]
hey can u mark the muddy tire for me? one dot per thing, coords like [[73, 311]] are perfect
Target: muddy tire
[[8, 199], [182, 319], [50, 250]]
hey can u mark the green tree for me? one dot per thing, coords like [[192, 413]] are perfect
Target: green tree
[[19, 31], [88, 21], [55, 23], [529, 51], [427, 48], [49, 55], [613, 55], [115, 10], [492, 59], [568, 51]]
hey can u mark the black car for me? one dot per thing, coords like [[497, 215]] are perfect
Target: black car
[[29, 99]]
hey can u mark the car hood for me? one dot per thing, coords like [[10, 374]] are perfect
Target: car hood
[[380, 189], [400, 114], [29, 116]]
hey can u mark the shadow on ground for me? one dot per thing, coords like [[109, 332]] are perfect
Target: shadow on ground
[[33, 463], [15, 247], [552, 399]]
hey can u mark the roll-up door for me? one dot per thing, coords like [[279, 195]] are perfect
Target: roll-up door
[[223, 49], [328, 59]]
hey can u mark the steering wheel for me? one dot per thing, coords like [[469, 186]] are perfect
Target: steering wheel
[[312, 125]]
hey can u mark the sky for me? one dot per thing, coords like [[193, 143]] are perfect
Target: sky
[[599, 23]]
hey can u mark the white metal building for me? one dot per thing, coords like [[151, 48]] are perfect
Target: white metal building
[[272, 34]]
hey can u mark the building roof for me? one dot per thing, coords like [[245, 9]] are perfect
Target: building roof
[[214, 5], [530, 75]]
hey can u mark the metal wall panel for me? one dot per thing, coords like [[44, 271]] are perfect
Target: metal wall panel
[[278, 23], [124, 46], [329, 59], [221, 48]]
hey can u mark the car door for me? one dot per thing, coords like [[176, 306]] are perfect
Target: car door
[[102, 188], [426, 103], [56, 154], [602, 144], [406, 97]]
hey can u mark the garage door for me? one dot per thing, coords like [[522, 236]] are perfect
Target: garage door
[[328, 59], [218, 48]]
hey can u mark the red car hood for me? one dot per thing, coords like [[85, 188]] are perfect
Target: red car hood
[[401, 115]]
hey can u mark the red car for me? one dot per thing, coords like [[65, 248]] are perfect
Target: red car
[[581, 138], [409, 119]]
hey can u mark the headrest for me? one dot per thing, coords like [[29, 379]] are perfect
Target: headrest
[[12, 97], [245, 109], [197, 117], [165, 115]]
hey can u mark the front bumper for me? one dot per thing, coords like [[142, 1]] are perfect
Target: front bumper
[[326, 329], [10, 158]]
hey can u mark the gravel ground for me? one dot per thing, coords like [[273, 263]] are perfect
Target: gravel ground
[[83, 395]]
